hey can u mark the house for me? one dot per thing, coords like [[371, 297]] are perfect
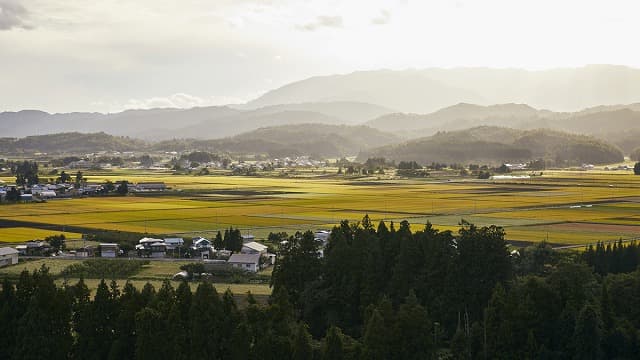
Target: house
[[201, 247], [158, 250], [254, 248], [109, 250], [35, 248], [151, 247], [8, 256], [201, 243], [173, 243], [248, 262]]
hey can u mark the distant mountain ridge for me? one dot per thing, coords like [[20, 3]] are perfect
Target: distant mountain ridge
[[199, 122], [427, 90]]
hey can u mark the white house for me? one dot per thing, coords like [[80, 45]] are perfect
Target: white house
[[8, 256], [253, 248], [202, 246], [248, 262], [201, 243], [109, 250]]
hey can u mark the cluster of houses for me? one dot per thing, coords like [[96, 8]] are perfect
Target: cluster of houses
[[253, 256], [65, 190]]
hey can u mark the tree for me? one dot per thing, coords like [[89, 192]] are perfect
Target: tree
[[123, 188], [146, 161], [150, 343], [636, 168], [64, 177], [302, 344], [26, 173], [57, 242], [218, 242], [13, 194], [108, 186], [79, 179], [333, 346], [588, 334]]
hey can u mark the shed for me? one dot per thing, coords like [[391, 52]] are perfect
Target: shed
[[109, 250], [8, 256], [253, 248]]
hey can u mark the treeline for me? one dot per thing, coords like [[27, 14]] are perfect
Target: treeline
[[467, 295], [378, 292], [43, 321], [70, 142], [613, 258]]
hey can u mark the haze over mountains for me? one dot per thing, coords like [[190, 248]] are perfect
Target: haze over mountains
[[360, 111]]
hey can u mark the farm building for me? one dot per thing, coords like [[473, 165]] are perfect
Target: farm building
[[109, 250], [8, 256], [254, 248], [248, 262]]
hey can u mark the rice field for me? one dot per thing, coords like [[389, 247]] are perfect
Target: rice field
[[528, 209]]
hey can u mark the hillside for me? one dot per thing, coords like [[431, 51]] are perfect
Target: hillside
[[320, 140], [73, 142], [425, 91], [460, 116], [499, 145]]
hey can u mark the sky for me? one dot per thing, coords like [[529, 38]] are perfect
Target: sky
[[110, 55]]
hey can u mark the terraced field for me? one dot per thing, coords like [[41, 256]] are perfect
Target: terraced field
[[560, 206]]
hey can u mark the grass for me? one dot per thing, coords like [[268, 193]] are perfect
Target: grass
[[206, 204]]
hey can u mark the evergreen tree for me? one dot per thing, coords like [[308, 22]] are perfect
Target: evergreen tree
[[333, 346], [302, 344], [588, 334]]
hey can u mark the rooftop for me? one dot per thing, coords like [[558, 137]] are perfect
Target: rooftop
[[7, 251], [244, 258]]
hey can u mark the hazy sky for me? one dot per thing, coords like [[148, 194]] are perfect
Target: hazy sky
[[107, 55]]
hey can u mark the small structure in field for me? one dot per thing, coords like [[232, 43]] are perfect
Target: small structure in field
[[109, 250]]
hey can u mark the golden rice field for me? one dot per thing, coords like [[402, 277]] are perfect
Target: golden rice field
[[528, 209]]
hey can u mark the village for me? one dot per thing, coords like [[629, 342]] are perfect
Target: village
[[252, 257]]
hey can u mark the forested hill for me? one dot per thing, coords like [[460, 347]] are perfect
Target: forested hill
[[72, 142], [320, 140], [461, 116], [498, 145]]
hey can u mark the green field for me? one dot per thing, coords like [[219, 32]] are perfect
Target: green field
[[529, 209]]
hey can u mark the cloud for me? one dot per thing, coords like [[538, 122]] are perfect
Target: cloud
[[13, 15], [178, 100], [320, 22], [383, 19]]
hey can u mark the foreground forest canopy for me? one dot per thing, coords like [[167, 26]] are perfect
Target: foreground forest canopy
[[379, 292]]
